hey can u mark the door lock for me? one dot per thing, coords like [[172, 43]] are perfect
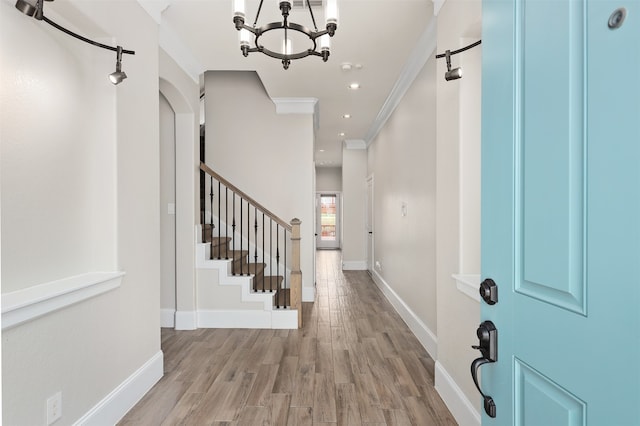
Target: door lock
[[488, 347], [489, 291]]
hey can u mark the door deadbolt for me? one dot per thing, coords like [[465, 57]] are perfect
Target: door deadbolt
[[489, 291]]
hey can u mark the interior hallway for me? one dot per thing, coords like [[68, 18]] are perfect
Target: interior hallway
[[355, 362]]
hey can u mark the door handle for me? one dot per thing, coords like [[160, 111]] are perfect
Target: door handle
[[488, 347]]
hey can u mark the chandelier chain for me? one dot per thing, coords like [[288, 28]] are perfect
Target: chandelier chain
[[255, 23]]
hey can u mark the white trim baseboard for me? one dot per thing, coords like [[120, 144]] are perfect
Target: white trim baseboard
[[462, 409], [308, 294], [119, 401], [167, 318], [222, 318], [186, 320], [25, 305], [354, 265], [424, 335]]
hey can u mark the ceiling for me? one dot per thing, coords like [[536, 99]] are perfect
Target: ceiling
[[375, 36]]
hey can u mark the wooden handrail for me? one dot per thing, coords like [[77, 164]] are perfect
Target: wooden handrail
[[241, 193]]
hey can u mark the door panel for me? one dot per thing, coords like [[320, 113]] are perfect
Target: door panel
[[328, 221], [550, 149], [561, 211]]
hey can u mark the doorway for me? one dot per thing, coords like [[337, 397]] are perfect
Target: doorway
[[328, 214]]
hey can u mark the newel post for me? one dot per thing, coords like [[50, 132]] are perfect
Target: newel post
[[296, 274]]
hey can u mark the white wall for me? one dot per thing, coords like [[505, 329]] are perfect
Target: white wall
[[79, 194], [51, 134], [267, 155], [329, 179], [402, 160], [354, 192], [457, 213]]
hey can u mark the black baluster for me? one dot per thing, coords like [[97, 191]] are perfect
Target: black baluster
[[211, 215], [248, 236], [264, 265], [284, 280], [270, 254], [241, 235], [203, 207], [255, 235], [233, 236], [219, 215], [277, 265], [226, 221]]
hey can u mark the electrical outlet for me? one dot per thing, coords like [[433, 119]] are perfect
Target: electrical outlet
[[378, 265], [54, 408]]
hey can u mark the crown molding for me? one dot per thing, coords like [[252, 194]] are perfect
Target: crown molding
[[423, 50], [355, 144], [299, 106], [295, 105]]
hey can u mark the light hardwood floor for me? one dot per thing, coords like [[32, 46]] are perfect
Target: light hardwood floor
[[355, 362]]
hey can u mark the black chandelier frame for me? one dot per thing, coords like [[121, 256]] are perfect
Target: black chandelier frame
[[285, 8]]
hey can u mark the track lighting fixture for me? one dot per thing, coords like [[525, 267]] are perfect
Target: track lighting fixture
[[456, 73], [451, 74], [36, 11], [117, 76]]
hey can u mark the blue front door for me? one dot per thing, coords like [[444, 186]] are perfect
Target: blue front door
[[561, 210]]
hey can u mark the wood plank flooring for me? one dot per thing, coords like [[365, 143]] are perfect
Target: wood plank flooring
[[355, 362]]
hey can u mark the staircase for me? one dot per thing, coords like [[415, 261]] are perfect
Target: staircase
[[253, 249]]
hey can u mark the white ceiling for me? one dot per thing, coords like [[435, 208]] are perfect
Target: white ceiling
[[379, 35]]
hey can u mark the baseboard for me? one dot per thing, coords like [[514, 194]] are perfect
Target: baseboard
[[354, 265], [424, 335], [120, 400], [186, 320], [234, 319], [462, 409], [167, 318], [308, 294]]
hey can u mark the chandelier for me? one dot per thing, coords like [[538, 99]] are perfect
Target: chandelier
[[319, 41]]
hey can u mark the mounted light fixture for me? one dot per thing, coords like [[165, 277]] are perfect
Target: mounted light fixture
[[451, 74], [317, 39], [117, 76], [37, 12], [455, 73]]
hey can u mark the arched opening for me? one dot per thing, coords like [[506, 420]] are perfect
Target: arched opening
[[182, 315]]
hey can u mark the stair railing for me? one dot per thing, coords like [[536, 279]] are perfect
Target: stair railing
[[256, 240]]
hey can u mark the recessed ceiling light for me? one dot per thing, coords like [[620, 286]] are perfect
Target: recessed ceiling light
[[341, 133], [322, 150], [354, 86], [346, 116]]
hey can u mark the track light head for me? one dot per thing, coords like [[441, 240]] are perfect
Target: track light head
[[451, 74], [119, 75], [25, 7], [30, 9]]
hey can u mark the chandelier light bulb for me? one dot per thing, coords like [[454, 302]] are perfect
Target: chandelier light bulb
[[331, 11], [238, 8], [287, 47]]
